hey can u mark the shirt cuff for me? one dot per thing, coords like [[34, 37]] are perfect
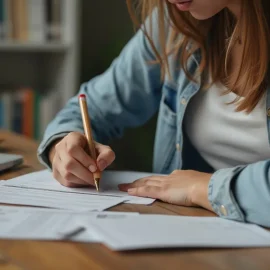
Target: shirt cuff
[[221, 196]]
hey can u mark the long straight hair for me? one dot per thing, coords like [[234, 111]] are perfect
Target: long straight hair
[[214, 38]]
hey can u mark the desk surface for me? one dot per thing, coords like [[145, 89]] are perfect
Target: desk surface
[[63, 255]]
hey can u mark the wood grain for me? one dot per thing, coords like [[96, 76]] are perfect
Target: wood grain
[[65, 255], [15, 144]]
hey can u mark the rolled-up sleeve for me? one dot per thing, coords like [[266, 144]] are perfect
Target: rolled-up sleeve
[[126, 95], [242, 193]]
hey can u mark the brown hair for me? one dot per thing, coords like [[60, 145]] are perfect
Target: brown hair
[[215, 38]]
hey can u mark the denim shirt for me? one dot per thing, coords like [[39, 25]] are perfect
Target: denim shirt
[[129, 93]]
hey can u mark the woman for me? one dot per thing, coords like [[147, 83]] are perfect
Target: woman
[[204, 65]]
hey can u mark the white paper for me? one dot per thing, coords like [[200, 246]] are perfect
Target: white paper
[[159, 231], [47, 224], [38, 226], [11, 209], [53, 199], [108, 184]]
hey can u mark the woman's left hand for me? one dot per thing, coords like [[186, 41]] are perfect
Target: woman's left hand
[[186, 188]]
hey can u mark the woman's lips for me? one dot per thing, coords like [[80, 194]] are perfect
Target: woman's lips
[[184, 6]]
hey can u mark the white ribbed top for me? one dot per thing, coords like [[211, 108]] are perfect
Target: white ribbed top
[[224, 137]]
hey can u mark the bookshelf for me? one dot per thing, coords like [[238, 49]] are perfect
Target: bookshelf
[[39, 67], [33, 47]]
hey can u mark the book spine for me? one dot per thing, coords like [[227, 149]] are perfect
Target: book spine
[[28, 113], [23, 20], [17, 112], [56, 19], [7, 23], [36, 23], [49, 34], [48, 105], [15, 23], [2, 112], [10, 18], [44, 113], [7, 100], [18, 12], [15, 18], [2, 19]]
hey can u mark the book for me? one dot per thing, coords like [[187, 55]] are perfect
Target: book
[[2, 113], [36, 20], [7, 114], [28, 112], [17, 112], [48, 105], [23, 20], [31, 20], [53, 19], [8, 19], [2, 19], [56, 19]]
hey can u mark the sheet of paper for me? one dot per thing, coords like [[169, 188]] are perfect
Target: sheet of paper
[[108, 184], [47, 224], [154, 231], [39, 226], [11, 209], [60, 200]]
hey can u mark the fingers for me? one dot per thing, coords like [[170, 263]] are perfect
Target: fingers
[[71, 163], [73, 171], [146, 191], [75, 149], [152, 187], [106, 156], [75, 181], [154, 180], [140, 183]]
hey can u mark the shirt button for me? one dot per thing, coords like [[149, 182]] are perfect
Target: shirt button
[[183, 101], [268, 112], [223, 210], [178, 147]]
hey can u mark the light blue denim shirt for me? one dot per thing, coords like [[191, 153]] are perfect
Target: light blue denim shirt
[[129, 93]]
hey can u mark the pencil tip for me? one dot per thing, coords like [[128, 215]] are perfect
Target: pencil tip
[[97, 183]]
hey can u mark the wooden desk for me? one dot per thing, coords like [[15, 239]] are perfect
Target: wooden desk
[[56, 255]]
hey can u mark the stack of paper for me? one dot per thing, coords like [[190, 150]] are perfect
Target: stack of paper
[[48, 224], [126, 231], [60, 200], [82, 220], [159, 231], [44, 180]]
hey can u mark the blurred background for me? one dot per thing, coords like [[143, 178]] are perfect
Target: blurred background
[[47, 49]]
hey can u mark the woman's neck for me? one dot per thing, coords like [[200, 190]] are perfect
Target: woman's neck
[[235, 7]]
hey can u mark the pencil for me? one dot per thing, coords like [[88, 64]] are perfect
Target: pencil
[[89, 136]]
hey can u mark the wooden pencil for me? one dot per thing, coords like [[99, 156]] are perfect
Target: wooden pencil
[[89, 135]]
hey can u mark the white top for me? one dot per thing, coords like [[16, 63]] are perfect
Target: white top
[[226, 138]]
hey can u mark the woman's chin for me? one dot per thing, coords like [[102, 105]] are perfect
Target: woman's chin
[[200, 17]]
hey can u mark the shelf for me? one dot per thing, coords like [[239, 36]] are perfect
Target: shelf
[[32, 47]]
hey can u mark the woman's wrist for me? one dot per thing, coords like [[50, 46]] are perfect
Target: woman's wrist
[[199, 194], [51, 151]]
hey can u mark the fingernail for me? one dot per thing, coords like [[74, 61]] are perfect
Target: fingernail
[[92, 168], [102, 164], [131, 191]]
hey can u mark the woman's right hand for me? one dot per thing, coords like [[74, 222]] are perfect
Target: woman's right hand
[[72, 166]]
